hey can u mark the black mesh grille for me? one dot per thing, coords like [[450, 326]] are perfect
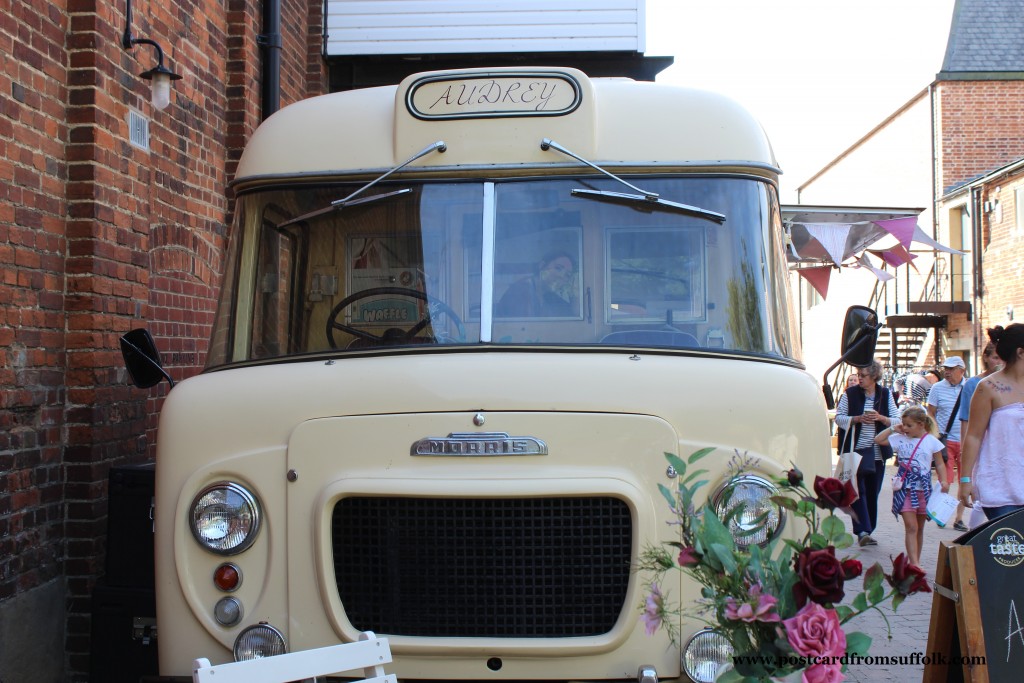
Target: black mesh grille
[[480, 567]]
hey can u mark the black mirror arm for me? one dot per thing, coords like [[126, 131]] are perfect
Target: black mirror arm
[[149, 360], [830, 401]]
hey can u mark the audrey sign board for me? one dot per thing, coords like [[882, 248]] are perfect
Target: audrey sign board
[[982, 572]]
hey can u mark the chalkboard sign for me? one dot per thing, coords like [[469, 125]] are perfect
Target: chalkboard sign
[[999, 567], [978, 606]]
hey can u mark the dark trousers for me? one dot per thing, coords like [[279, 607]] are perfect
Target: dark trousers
[[869, 483]]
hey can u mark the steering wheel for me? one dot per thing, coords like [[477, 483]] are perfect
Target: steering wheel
[[393, 336]]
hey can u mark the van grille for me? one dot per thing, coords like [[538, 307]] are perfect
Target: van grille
[[553, 567]]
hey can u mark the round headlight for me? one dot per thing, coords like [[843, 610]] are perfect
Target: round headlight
[[225, 518], [704, 656], [753, 517], [259, 641]]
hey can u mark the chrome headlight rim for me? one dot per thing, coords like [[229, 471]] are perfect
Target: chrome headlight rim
[[757, 480], [690, 652], [249, 500], [273, 635]]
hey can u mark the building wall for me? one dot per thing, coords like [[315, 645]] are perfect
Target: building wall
[[979, 128], [99, 236], [889, 167]]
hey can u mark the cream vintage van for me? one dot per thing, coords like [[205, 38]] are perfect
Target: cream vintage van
[[462, 321]]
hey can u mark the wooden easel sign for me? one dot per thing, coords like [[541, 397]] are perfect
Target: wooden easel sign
[[976, 633]]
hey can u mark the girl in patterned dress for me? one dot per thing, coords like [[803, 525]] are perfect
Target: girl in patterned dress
[[914, 441]]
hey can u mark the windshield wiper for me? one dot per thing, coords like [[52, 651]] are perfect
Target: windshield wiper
[[438, 146], [645, 200]]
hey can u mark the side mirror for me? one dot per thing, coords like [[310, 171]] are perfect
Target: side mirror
[[860, 334], [142, 359]]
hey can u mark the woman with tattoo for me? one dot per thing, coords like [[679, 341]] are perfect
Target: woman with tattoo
[[993, 450]]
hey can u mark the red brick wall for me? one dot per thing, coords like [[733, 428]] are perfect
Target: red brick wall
[[98, 236], [978, 130], [1002, 245], [33, 175]]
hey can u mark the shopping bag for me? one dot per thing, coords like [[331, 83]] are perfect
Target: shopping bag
[[846, 468], [941, 507]]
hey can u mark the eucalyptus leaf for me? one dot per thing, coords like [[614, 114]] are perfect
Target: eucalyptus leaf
[[693, 475], [725, 556], [715, 531], [669, 496], [700, 454], [677, 463]]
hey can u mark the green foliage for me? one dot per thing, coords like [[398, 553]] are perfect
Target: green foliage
[[749, 591]]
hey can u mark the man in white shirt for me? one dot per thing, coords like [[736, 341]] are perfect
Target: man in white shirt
[[942, 400]]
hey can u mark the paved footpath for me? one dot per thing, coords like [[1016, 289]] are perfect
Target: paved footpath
[[909, 623]]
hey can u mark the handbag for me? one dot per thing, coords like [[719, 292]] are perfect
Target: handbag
[[899, 477], [849, 461]]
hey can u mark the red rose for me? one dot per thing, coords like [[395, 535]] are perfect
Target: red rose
[[820, 577], [833, 493], [907, 578], [795, 477], [851, 569]]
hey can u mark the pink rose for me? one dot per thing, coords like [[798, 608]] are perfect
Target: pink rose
[[815, 632], [823, 673]]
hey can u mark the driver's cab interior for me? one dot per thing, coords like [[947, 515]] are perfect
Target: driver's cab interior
[[420, 266]]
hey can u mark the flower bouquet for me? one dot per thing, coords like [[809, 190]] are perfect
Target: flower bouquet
[[777, 604]]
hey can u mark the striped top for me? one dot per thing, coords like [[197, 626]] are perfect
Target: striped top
[[943, 396], [866, 437]]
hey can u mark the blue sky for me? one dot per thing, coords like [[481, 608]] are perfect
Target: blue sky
[[819, 74]]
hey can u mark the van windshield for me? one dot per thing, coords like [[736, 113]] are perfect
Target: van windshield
[[418, 265]]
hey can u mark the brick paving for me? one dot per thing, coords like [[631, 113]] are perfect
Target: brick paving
[[909, 624]]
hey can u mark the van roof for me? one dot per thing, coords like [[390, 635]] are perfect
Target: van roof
[[611, 122]]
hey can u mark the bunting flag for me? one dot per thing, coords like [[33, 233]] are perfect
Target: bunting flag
[[832, 236], [895, 256], [923, 238], [818, 277], [902, 229], [863, 262]]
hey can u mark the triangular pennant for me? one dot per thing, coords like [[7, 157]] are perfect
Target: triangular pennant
[[895, 256], [923, 238], [818, 277], [900, 228], [863, 262], [832, 236]]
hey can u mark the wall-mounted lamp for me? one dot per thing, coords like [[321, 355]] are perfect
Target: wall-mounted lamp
[[159, 74]]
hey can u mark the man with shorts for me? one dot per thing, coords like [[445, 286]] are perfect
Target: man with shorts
[[943, 399]]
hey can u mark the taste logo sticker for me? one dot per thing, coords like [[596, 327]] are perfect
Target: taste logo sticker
[[1007, 547]]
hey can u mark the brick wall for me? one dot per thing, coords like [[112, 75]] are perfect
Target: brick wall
[[33, 175], [978, 130], [1002, 245], [98, 236]]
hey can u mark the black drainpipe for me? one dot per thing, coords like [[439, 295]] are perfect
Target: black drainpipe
[[270, 41]]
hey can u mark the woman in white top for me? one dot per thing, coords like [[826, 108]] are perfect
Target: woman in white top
[[914, 441]]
